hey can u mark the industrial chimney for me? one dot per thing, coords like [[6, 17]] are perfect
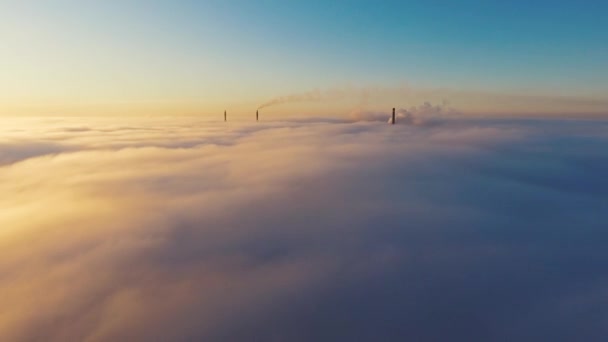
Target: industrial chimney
[[393, 118], [225, 117], [257, 116]]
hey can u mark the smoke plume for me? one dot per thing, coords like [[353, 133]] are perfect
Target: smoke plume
[[468, 101], [425, 114], [336, 94]]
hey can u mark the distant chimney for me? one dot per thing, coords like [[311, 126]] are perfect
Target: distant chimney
[[225, 117], [257, 116], [393, 118]]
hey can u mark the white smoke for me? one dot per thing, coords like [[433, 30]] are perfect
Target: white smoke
[[470, 101], [425, 114], [362, 94]]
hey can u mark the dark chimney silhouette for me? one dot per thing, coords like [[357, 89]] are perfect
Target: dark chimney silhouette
[[393, 118], [225, 117], [257, 116]]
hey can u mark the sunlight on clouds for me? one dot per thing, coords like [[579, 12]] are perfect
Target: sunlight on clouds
[[134, 229]]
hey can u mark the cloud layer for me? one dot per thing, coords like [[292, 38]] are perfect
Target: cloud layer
[[179, 229]]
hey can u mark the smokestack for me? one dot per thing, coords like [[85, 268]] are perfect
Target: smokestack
[[393, 119], [225, 117], [257, 116]]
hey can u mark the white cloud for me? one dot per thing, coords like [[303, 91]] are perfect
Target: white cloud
[[134, 229]]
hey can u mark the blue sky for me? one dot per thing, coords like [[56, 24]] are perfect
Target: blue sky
[[214, 51]]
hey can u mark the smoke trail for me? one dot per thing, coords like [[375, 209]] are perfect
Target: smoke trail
[[311, 96], [336, 94], [480, 102]]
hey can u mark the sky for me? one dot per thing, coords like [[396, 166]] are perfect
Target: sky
[[153, 57], [310, 229]]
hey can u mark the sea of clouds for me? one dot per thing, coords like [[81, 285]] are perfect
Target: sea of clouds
[[179, 229]]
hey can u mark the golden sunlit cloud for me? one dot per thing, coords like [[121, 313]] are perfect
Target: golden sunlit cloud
[[154, 228]]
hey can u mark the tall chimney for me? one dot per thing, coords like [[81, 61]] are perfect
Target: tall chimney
[[225, 117], [393, 119], [257, 116]]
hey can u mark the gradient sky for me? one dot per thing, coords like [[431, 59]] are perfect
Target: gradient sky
[[188, 57]]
